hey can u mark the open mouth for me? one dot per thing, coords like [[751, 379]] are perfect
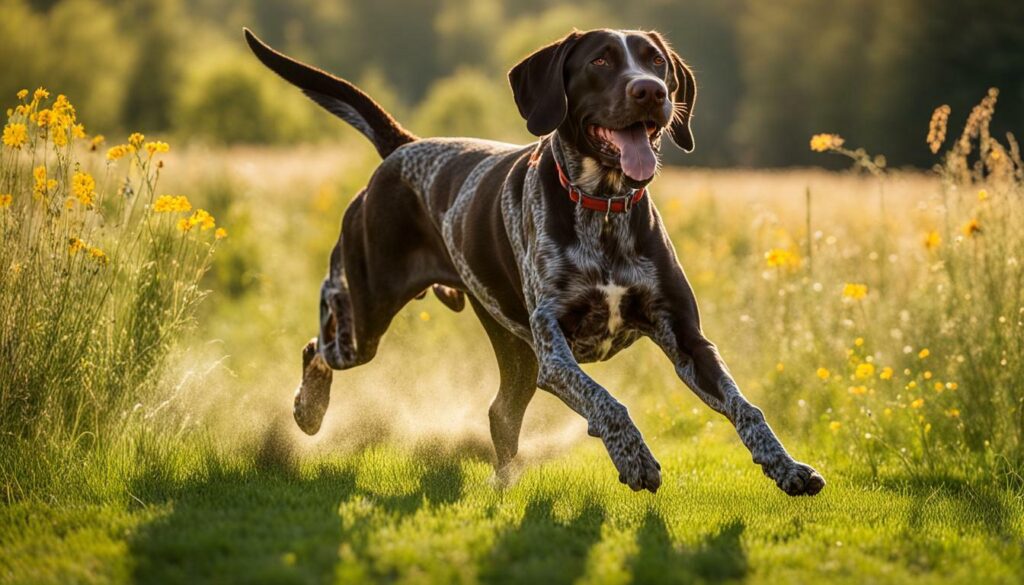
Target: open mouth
[[631, 146]]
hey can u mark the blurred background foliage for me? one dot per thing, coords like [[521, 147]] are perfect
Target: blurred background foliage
[[770, 74]]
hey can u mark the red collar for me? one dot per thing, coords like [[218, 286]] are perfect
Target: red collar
[[619, 204]]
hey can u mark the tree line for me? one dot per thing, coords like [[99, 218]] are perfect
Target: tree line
[[770, 73]]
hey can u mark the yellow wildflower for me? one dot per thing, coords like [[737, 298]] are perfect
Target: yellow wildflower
[[184, 225], [6, 200], [939, 386], [952, 385], [203, 219], [43, 185], [169, 203], [76, 244], [135, 140], [971, 228], [982, 195], [98, 255], [15, 135], [823, 142], [60, 136], [864, 370], [932, 240], [858, 390], [78, 131], [220, 234], [22, 94], [823, 373], [927, 375], [780, 367], [886, 373], [83, 187], [953, 413], [911, 385], [859, 341], [40, 94], [155, 147], [834, 426], [923, 353], [96, 142], [917, 403], [778, 258], [855, 291], [44, 118], [118, 152], [887, 411]]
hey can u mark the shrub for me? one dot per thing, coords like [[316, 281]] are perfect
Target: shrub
[[230, 98], [470, 104]]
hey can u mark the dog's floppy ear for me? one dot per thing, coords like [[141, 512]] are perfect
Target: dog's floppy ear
[[538, 85], [683, 88]]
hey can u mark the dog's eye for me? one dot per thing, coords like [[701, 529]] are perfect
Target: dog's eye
[[659, 60], [600, 62]]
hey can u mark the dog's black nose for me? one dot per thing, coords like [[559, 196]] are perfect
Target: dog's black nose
[[647, 90]]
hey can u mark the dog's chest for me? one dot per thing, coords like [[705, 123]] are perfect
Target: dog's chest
[[605, 300]]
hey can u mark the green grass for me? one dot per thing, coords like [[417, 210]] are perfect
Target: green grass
[[201, 481], [189, 515]]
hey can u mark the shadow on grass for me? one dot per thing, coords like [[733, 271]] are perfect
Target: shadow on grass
[[266, 523], [543, 549], [980, 505], [718, 558]]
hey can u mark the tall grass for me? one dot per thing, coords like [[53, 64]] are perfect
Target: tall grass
[[932, 378], [98, 273]]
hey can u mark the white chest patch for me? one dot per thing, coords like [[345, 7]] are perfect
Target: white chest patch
[[613, 293]]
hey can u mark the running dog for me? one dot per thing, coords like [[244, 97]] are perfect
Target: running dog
[[557, 245]]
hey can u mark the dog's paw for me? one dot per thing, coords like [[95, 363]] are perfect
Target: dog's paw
[[636, 465], [797, 479], [314, 394], [506, 476]]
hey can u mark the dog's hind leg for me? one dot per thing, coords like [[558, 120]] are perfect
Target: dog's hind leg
[[381, 262], [517, 365]]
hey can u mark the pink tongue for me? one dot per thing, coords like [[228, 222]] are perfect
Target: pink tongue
[[635, 153]]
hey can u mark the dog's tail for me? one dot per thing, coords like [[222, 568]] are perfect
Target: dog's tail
[[337, 96]]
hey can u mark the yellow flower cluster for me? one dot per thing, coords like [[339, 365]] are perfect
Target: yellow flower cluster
[[157, 146], [972, 228], [76, 245], [201, 218], [43, 186], [824, 142], [6, 200], [136, 142], [171, 203], [83, 187], [855, 291], [15, 135], [59, 120], [118, 152], [864, 370], [779, 258]]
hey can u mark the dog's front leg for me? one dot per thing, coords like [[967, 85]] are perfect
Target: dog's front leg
[[699, 366], [607, 418]]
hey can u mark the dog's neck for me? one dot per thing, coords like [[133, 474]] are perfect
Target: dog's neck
[[587, 173]]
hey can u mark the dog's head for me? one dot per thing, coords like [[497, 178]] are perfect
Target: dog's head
[[611, 95]]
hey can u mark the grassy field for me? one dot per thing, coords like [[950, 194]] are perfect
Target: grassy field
[[878, 330]]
